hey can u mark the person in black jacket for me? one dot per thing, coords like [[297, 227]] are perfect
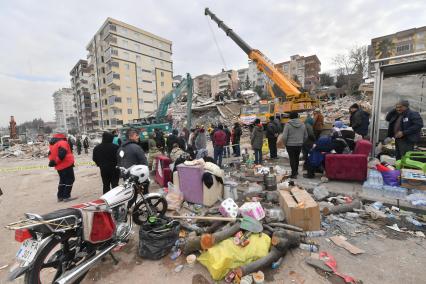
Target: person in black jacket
[[174, 138], [359, 120], [272, 134], [405, 125], [105, 157], [235, 139], [130, 153]]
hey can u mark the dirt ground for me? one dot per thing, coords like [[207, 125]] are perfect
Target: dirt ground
[[387, 259]]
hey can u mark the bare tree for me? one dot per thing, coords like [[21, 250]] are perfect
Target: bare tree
[[353, 66]]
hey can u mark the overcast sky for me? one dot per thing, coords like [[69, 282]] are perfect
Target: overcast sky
[[42, 40]]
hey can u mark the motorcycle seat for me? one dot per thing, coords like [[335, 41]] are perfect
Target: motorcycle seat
[[71, 212]]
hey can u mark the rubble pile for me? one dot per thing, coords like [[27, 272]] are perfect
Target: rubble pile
[[339, 108], [26, 151]]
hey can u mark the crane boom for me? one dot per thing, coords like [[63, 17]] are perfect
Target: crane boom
[[264, 65]]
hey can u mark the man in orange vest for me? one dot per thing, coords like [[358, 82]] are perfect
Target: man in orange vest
[[61, 157]]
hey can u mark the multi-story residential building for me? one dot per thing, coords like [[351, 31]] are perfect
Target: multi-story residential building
[[242, 75], [131, 70], [202, 85], [256, 77], [304, 70], [65, 109], [225, 80], [80, 76], [399, 43]]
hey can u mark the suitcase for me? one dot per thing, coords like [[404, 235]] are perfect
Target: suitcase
[[162, 172]]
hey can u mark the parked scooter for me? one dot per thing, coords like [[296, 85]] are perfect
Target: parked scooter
[[60, 247]]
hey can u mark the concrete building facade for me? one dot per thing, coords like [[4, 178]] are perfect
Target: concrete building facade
[[256, 77], [305, 69], [80, 76], [202, 85], [131, 70], [65, 109], [225, 80], [399, 43], [242, 76]]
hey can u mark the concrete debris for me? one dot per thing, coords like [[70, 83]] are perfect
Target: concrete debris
[[26, 151], [339, 108]]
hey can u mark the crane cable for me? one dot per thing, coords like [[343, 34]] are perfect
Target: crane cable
[[217, 44]]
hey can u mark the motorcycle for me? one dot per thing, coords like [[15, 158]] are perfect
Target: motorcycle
[[61, 247]]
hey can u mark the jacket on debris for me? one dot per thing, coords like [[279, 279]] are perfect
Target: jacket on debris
[[105, 154], [411, 124], [257, 137], [295, 133], [359, 122], [129, 154], [60, 154]]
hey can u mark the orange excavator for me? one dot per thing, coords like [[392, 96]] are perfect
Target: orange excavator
[[288, 93]]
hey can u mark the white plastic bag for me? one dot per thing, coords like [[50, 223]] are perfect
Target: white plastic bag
[[174, 197]]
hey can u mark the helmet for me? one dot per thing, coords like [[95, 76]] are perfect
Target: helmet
[[140, 171]]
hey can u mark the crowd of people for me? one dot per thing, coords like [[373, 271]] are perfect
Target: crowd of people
[[307, 137]]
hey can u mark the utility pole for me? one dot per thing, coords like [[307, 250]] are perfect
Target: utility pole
[[189, 85]]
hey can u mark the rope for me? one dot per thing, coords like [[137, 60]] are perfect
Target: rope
[[217, 45]]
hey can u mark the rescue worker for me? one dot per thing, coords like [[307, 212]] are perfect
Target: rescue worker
[[61, 157]]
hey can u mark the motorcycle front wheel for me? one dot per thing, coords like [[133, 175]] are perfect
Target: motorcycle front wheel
[[157, 205], [47, 266]]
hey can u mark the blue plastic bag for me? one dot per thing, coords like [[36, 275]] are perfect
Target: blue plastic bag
[[391, 177]]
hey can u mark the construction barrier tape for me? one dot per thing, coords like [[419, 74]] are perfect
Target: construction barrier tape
[[38, 167]]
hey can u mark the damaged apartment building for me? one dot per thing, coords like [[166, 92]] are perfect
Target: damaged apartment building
[[130, 71]]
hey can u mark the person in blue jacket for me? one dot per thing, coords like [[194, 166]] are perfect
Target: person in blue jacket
[[405, 126]]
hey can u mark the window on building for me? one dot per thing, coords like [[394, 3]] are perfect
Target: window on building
[[138, 58], [103, 80], [116, 76], [128, 89], [403, 48], [161, 54], [129, 100], [125, 43], [102, 59], [162, 84], [124, 30], [152, 61], [129, 111], [162, 74], [146, 71], [126, 55], [103, 70], [137, 46], [127, 66]]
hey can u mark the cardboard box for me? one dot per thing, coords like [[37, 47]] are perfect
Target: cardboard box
[[300, 209], [415, 179]]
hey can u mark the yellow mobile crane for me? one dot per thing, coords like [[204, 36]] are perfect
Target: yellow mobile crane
[[293, 99]]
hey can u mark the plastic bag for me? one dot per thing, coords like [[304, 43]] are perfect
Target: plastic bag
[[225, 256], [174, 197], [391, 177], [157, 239]]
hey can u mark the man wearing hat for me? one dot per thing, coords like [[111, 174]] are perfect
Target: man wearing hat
[[359, 120], [405, 125]]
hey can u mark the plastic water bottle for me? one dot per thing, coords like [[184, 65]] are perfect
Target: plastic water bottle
[[314, 234], [413, 221], [309, 247], [277, 263]]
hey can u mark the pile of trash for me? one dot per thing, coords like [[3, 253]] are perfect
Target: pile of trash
[[339, 108], [26, 151]]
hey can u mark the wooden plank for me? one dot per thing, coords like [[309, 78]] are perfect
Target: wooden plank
[[341, 242]]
